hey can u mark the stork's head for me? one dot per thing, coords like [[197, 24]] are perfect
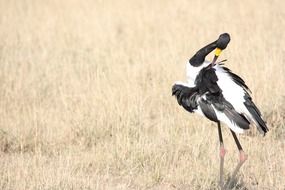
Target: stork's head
[[220, 44]]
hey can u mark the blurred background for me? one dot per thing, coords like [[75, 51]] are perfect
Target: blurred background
[[85, 93]]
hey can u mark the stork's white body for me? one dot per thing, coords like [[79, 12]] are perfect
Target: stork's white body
[[232, 92]]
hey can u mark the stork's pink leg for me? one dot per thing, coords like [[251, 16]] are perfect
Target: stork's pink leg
[[242, 159]]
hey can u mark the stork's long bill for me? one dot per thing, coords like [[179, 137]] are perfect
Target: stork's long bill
[[218, 51]]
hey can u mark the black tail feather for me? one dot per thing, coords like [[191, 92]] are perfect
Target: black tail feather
[[254, 111]]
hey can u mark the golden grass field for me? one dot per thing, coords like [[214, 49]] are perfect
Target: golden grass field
[[85, 94]]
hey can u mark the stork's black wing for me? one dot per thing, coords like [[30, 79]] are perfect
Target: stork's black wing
[[186, 96], [212, 97]]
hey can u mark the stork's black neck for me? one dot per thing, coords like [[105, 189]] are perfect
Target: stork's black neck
[[199, 58]]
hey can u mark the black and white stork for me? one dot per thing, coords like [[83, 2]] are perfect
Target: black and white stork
[[215, 92]]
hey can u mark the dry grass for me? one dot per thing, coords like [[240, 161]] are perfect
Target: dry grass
[[85, 93]]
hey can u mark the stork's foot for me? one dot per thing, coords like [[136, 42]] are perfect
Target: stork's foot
[[242, 159], [222, 155]]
